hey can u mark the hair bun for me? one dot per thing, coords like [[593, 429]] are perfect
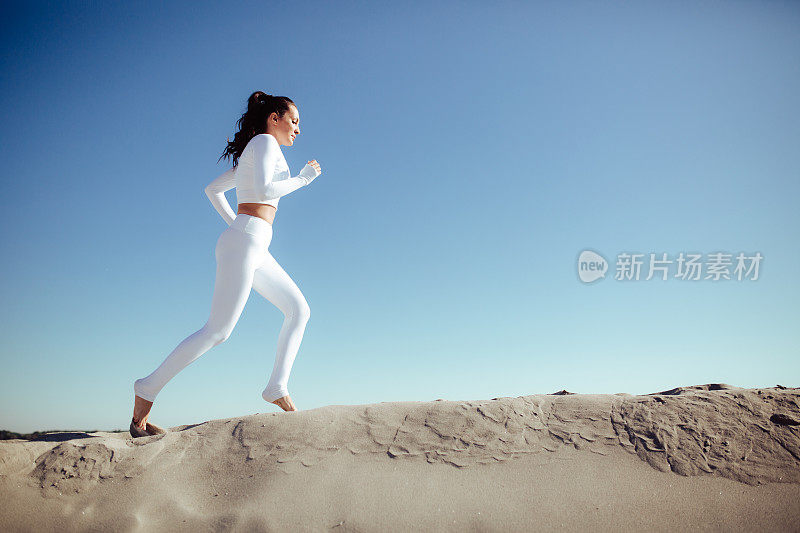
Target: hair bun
[[259, 98]]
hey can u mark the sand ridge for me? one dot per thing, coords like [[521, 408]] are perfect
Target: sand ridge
[[750, 436]]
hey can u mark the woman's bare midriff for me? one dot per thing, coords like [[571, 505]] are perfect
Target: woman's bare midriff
[[265, 211]]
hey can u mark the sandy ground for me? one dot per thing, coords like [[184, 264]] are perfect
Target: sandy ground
[[712, 457]]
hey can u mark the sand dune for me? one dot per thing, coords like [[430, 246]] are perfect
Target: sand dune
[[713, 456]]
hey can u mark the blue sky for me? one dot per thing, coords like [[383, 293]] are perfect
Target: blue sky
[[470, 152]]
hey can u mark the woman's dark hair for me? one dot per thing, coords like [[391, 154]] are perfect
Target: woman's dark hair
[[254, 121]]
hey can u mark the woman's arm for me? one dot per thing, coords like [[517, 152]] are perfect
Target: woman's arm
[[216, 193], [266, 152]]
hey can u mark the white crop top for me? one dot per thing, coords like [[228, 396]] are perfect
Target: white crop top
[[261, 175]]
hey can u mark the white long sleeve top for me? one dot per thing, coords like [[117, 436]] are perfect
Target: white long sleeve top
[[261, 175]]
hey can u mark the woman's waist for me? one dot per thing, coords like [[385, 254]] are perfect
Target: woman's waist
[[265, 212], [252, 225]]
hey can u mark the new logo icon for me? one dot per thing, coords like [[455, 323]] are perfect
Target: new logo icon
[[591, 266]]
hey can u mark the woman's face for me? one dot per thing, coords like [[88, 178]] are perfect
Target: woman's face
[[285, 128]]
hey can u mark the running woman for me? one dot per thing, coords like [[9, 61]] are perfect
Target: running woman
[[261, 176]]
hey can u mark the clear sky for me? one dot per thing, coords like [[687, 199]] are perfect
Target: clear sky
[[470, 152]]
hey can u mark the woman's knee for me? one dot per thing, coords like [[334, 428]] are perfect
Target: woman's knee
[[300, 311], [217, 335]]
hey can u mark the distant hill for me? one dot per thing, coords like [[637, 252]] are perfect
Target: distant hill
[[36, 435]]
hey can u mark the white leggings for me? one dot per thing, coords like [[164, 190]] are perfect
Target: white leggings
[[243, 261]]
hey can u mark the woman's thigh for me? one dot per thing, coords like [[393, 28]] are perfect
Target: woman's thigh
[[273, 283], [238, 256]]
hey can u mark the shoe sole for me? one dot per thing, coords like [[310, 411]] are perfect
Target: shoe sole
[[151, 430], [136, 431]]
